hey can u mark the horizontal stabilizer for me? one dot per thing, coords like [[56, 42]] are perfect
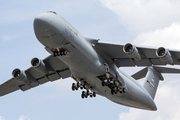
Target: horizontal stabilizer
[[142, 73]]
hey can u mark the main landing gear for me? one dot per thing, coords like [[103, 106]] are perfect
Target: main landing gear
[[85, 94], [83, 85], [59, 52], [112, 82]]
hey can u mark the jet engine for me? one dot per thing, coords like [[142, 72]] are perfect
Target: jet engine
[[20, 76], [132, 51], [39, 65], [164, 55]]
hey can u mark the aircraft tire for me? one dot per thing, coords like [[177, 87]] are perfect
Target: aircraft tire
[[103, 83], [64, 53], [55, 54], [81, 87], [86, 95], [124, 90], [91, 95], [112, 92], [83, 94], [73, 86], [76, 88], [94, 94]]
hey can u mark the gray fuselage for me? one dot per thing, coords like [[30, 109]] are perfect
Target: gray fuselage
[[86, 63]]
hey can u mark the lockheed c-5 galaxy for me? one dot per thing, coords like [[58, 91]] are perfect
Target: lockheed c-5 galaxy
[[94, 65]]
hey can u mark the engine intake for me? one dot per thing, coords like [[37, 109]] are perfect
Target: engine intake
[[39, 65], [164, 55], [20, 76], [131, 51]]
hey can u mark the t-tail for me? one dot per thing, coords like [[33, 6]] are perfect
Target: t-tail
[[152, 76]]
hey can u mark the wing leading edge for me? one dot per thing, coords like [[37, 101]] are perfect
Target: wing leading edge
[[56, 70], [121, 59]]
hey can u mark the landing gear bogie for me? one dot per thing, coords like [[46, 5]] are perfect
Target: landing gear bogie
[[87, 93], [59, 52], [84, 85], [112, 83]]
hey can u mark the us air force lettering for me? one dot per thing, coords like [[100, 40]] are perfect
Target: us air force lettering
[[94, 65]]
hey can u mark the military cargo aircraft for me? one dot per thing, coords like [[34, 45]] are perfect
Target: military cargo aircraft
[[94, 65]]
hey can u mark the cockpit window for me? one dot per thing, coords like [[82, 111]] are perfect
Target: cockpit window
[[52, 12]]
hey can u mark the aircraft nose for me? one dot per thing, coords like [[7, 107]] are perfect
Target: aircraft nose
[[42, 25], [45, 27]]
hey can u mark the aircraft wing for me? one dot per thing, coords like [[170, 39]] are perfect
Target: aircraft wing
[[56, 70], [148, 55]]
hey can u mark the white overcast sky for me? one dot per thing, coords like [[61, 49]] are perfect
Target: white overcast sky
[[142, 22]]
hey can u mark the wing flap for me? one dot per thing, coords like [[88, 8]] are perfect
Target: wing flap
[[25, 87]]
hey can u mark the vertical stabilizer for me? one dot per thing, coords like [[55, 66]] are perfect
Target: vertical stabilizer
[[151, 81], [152, 76]]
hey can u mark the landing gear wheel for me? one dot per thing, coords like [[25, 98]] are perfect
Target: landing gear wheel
[[83, 94], [94, 94], [64, 52], [55, 53], [76, 88], [112, 92], [58, 53], [124, 90], [86, 95], [84, 86], [91, 95], [81, 87], [61, 53], [73, 86], [115, 83], [103, 84], [105, 81]]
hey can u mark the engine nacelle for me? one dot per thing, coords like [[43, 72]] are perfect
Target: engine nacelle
[[20, 76], [132, 51], [39, 65], [164, 55]]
